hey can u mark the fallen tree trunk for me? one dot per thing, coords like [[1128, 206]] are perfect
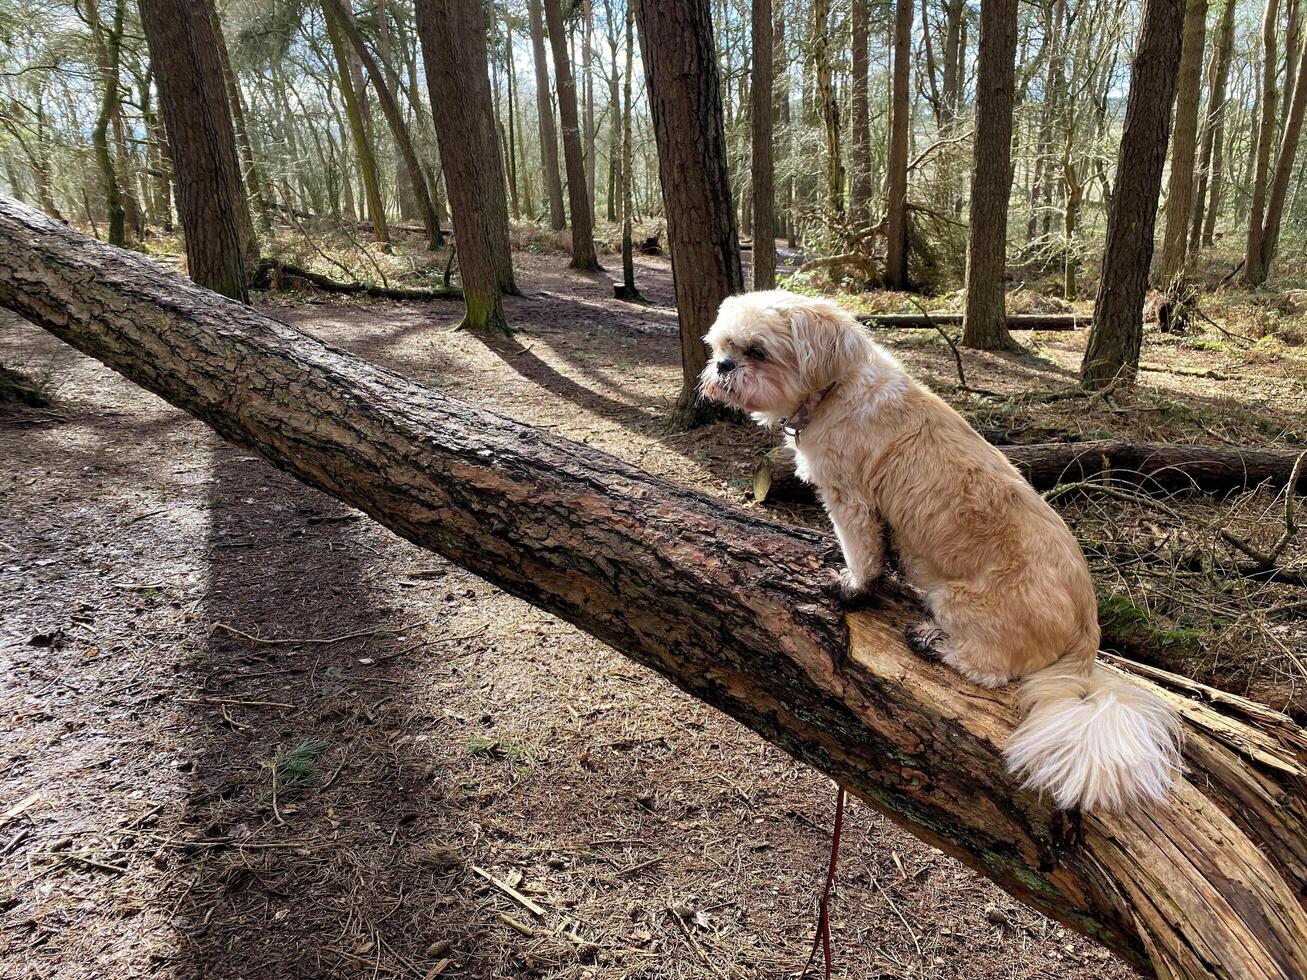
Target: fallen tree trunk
[[1154, 466], [730, 606], [923, 321], [276, 274]]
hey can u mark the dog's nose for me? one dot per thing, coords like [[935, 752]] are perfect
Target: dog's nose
[[725, 366]]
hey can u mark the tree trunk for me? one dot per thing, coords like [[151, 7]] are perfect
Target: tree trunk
[[860, 186], [545, 110], [1209, 163], [680, 66], [109, 51], [629, 290], [985, 325], [763, 172], [253, 184], [1115, 338], [1254, 270], [395, 120], [583, 244], [1155, 467], [896, 213], [1284, 168], [731, 607], [197, 114], [1184, 144], [830, 107], [587, 87], [358, 131], [453, 37]]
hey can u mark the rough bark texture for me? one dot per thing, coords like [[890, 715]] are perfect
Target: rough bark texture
[[583, 241], [896, 205], [761, 101], [1184, 143], [453, 36], [196, 113], [685, 100], [545, 112], [398, 128], [1118, 328], [984, 324], [1157, 467], [729, 606]]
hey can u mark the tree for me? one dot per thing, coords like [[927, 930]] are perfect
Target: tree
[[860, 189], [1284, 171], [1184, 144], [628, 289], [830, 107], [985, 320], [1253, 272], [762, 170], [253, 180], [896, 210], [731, 607], [358, 130], [453, 37], [398, 128], [108, 45], [583, 243], [184, 48], [680, 64], [1112, 355], [545, 111], [1209, 164]]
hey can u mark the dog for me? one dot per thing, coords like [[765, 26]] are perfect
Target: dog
[[1006, 586]]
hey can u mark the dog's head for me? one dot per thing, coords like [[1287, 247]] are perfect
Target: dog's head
[[771, 350]]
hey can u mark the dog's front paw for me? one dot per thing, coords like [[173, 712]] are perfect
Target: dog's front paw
[[853, 591], [925, 637]]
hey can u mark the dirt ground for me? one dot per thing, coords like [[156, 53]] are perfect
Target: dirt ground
[[248, 733]]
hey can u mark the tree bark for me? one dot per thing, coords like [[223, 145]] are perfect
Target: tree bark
[[197, 115], [728, 605], [398, 128], [1254, 271], [1209, 163], [354, 108], [1117, 333], [896, 205], [453, 37], [984, 325], [1184, 144], [1157, 467], [680, 65], [583, 241], [1285, 168], [762, 169], [545, 111], [109, 51]]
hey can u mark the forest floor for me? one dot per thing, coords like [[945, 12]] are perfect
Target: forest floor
[[249, 733]]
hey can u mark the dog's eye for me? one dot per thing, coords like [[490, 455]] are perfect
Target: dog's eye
[[756, 353]]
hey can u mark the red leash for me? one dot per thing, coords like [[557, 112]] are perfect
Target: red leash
[[822, 938]]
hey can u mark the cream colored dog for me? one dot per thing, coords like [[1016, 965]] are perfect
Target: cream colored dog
[[1005, 583]]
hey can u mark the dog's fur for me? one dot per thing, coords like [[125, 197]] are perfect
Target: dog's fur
[[1005, 583]]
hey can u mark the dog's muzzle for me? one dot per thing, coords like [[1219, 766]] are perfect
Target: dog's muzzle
[[725, 366]]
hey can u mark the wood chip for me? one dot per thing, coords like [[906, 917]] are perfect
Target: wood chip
[[511, 892]]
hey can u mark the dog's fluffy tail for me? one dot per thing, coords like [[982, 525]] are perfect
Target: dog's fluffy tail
[[1093, 739]]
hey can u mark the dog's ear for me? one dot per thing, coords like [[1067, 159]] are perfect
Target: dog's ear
[[828, 343]]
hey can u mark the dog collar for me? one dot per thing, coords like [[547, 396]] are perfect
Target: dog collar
[[795, 424]]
